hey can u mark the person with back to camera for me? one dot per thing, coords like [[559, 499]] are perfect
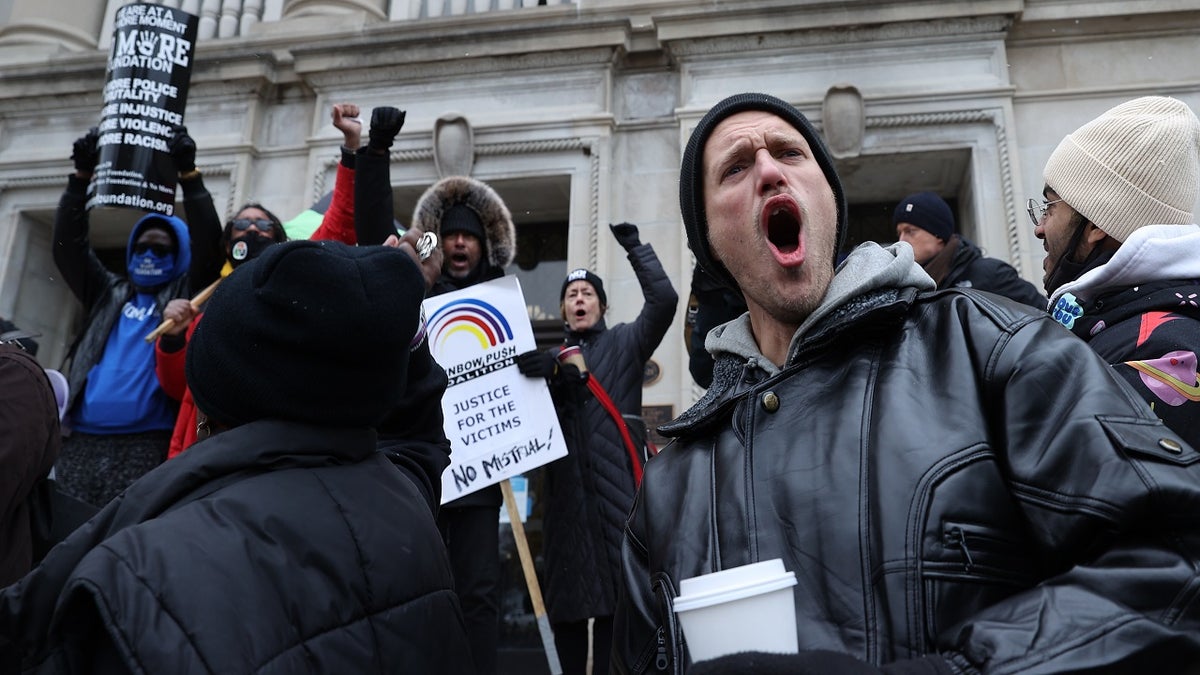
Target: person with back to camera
[[283, 541], [251, 230], [947, 500], [1121, 241], [477, 240], [119, 421], [588, 493], [925, 222], [29, 443]]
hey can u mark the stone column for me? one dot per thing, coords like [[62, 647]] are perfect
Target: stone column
[[43, 26]]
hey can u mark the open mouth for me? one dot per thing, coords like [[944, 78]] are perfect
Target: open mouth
[[783, 230], [580, 313], [458, 258], [781, 221]]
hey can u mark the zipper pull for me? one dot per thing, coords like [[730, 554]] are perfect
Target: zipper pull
[[956, 537], [660, 660]]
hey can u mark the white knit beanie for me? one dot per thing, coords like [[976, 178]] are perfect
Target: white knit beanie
[[1137, 164]]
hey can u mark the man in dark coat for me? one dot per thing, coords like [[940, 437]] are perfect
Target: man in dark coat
[[958, 485], [589, 492], [286, 542], [478, 240], [1123, 249], [925, 222]]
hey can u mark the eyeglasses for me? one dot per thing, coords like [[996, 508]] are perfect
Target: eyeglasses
[[159, 250], [1037, 209], [243, 224]]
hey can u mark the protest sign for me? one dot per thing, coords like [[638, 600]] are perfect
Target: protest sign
[[499, 422], [149, 70]]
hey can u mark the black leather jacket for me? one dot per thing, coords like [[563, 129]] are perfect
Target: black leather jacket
[[946, 473]]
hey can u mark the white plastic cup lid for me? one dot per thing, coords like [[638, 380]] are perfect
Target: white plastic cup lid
[[733, 584]]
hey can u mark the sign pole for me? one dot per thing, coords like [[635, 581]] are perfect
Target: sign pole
[[535, 591]]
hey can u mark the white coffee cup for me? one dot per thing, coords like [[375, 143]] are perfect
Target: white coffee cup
[[741, 609]]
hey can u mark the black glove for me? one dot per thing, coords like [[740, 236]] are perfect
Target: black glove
[[183, 150], [386, 122], [626, 234], [537, 364], [85, 152]]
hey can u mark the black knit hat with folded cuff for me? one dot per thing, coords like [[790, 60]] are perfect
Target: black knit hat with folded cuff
[[310, 331], [582, 274], [691, 173]]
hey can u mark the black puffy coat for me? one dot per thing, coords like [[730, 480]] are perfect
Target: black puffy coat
[[274, 547], [589, 492], [939, 485]]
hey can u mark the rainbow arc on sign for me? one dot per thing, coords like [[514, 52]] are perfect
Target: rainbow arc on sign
[[476, 318]]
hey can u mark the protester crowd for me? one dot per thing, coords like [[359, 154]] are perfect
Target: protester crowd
[[965, 475]]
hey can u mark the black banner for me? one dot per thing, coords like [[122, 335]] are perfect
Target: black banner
[[145, 95]]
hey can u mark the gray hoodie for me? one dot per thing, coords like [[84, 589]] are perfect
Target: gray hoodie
[[870, 267]]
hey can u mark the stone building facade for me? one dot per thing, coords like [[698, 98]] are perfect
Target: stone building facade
[[577, 112]]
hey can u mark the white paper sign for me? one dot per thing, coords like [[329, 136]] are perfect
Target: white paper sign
[[499, 422]]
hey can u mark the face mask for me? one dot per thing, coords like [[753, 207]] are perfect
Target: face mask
[[248, 247], [149, 268]]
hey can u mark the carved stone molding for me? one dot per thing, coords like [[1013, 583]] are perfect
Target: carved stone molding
[[839, 35], [844, 116], [379, 64], [996, 119], [453, 145]]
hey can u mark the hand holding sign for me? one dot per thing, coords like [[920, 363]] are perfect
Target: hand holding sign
[[499, 423], [85, 153], [183, 150]]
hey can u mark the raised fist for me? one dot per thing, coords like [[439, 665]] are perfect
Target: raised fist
[[183, 150], [626, 234], [85, 151], [345, 120], [386, 122]]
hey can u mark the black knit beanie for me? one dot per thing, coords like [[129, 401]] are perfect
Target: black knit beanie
[[309, 331], [927, 211], [691, 173], [462, 218], [584, 275]]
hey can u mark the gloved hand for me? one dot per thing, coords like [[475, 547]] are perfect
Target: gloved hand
[[183, 150], [85, 152], [537, 364], [626, 234], [386, 122]]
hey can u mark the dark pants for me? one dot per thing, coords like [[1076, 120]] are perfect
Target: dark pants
[[571, 641], [95, 468], [472, 536]]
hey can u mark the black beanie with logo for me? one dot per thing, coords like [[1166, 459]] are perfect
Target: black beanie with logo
[[927, 211], [691, 173], [584, 275]]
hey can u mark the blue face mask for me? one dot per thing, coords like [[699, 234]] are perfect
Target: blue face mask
[[150, 268]]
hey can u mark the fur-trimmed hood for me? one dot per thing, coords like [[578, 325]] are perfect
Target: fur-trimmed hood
[[497, 221]]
